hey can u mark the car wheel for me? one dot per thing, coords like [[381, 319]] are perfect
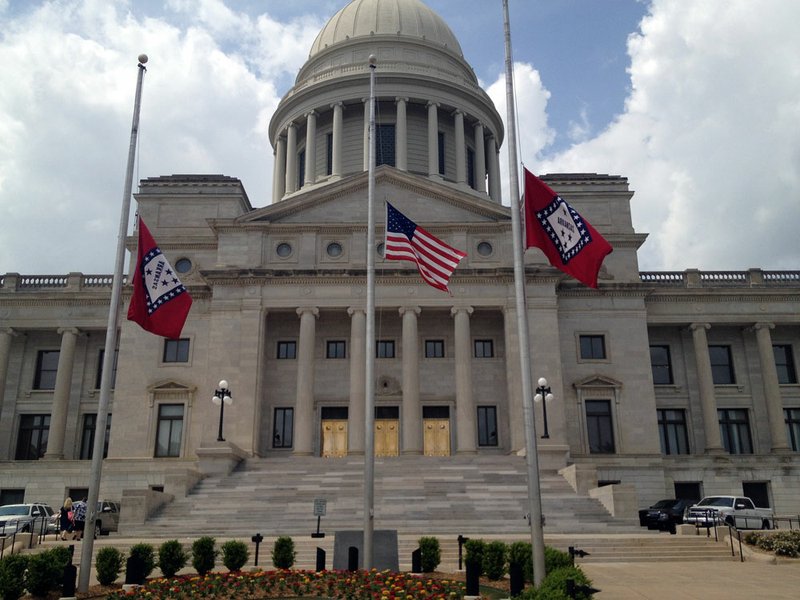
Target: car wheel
[[766, 524], [97, 530]]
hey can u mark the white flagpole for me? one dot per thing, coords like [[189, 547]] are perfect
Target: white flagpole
[[531, 451], [369, 401], [110, 349]]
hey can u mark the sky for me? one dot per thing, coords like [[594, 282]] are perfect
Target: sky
[[696, 102]]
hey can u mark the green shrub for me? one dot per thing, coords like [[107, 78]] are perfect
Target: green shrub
[[283, 553], [555, 559], [520, 553], [782, 543], [234, 555], [204, 556], [146, 555], [554, 585], [108, 565], [12, 576], [46, 571], [171, 558], [474, 553], [494, 560], [430, 554]]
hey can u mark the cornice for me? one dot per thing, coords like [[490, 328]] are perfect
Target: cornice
[[740, 296]]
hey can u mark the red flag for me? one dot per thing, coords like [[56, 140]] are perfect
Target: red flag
[[567, 239], [160, 302], [435, 260]]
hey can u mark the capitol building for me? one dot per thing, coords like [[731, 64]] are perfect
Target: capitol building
[[665, 384]]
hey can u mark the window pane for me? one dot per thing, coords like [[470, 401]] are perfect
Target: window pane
[[434, 348], [336, 349], [170, 430], [282, 433], [287, 350], [792, 418], [487, 426], [673, 432], [592, 347], [784, 363], [46, 369], [661, 365], [599, 428], [385, 349], [484, 349], [87, 438], [100, 360], [721, 365], [176, 351], [734, 428], [32, 437]]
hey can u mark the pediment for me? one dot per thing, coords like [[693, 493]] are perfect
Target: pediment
[[345, 201], [170, 386], [597, 381]]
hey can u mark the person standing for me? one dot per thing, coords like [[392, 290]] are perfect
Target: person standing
[[79, 517], [65, 516]]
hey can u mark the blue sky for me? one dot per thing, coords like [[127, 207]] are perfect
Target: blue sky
[[695, 102]]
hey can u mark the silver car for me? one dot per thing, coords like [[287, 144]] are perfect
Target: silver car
[[24, 518], [107, 517]]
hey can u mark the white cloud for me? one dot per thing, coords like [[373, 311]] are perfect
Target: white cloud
[[710, 138]]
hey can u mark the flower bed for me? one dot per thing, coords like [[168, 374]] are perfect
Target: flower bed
[[344, 585]]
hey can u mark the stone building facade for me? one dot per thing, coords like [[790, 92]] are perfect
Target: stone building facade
[[678, 383]]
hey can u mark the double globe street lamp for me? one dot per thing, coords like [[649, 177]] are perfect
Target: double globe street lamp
[[544, 396], [222, 396]]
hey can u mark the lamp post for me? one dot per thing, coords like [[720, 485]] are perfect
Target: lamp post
[[544, 396], [222, 396]]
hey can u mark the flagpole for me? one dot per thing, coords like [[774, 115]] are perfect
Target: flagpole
[[369, 400], [531, 451], [109, 351]]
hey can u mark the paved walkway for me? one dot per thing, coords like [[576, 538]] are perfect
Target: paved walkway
[[751, 580]]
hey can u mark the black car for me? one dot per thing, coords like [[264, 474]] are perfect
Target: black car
[[664, 514]]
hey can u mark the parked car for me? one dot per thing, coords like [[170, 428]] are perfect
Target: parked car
[[22, 518], [107, 517], [664, 514], [738, 511]]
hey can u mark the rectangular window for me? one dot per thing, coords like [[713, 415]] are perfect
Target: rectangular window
[[661, 364], [792, 418], [593, 347], [487, 426], [87, 437], [32, 439], [336, 349], [484, 349], [688, 490], [170, 430], [441, 153], [12, 496], [734, 427], [176, 351], [599, 427], [329, 154], [758, 492], [384, 145], [282, 430], [46, 369], [301, 168], [721, 365], [100, 360], [434, 348], [287, 350], [784, 362], [384, 349], [471, 168], [673, 432]]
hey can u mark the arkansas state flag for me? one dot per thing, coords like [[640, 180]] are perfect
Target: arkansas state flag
[[567, 239], [160, 303]]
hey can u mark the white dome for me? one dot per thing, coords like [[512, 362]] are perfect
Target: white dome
[[404, 18]]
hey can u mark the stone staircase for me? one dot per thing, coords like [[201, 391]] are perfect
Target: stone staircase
[[471, 495]]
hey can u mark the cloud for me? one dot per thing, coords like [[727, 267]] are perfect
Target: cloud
[[710, 136]]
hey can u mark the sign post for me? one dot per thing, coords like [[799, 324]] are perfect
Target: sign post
[[320, 507]]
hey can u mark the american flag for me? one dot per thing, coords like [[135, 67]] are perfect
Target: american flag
[[435, 260]]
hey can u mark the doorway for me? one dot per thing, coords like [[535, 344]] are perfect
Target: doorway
[[387, 431], [436, 430], [333, 436]]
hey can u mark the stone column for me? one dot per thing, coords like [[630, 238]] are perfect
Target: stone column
[[336, 159], [461, 148], [358, 393], [466, 432], [291, 158], [6, 336], [58, 416], [304, 404], [772, 389], [480, 158], [279, 170], [6, 410], [366, 134], [401, 135], [412, 409], [492, 152], [311, 148], [706, 386], [433, 140]]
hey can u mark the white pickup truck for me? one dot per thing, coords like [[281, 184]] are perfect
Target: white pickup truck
[[738, 511]]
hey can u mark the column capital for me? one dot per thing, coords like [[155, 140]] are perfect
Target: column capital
[[478, 124], [457, 309], [72, 330], [335, 104], [458, 111], [696, 326], [311, 113], [10, 331], [356, 309], [763, 325], [400, 99], [308, 309], [409, 309], [431, 104]]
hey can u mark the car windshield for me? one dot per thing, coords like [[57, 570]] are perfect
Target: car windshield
[[13, 510], [716, 501], [663, 504]]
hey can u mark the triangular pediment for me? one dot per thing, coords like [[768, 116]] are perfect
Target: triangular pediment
[[597, 381], [170, 386], [422, 199]]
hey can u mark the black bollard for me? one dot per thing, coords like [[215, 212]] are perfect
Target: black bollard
[[68, 581], [517, 580], [320, 559], [416, 561], [134, 571], [473, 578], [352, 558], [257, 539]]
